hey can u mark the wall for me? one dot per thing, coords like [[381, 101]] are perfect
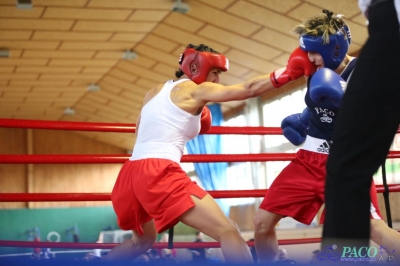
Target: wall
[[243, 215], [394, 201], [17, 217], [13, 177], [63, 178], [16, 224]]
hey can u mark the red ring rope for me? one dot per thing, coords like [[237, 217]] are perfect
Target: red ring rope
[[125, 128], [121, 158], [217, 194]]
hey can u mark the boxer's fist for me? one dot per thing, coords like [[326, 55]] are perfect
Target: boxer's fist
[[294, 127], [326, 85], [205, 120], [298, 65]]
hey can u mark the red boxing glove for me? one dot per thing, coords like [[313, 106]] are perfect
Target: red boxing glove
[[298, 65], [205, 120]]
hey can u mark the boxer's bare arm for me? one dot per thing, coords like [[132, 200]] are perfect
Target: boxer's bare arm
[[213, 92]]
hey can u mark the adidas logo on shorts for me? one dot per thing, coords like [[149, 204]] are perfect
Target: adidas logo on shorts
[[324, 147]]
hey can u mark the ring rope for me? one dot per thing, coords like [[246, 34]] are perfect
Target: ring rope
[[127, 128], [217, 194], [121, 158]]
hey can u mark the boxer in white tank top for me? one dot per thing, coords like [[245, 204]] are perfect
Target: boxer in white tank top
[[152, 192]]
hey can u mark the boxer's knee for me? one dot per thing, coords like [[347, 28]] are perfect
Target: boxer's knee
[[264, 222]]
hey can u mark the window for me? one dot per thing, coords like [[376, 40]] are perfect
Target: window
[[392, 166], [238, 175], [274, 112], [190, 170]]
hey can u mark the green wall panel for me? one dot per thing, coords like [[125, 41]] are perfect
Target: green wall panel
[[16, 224]]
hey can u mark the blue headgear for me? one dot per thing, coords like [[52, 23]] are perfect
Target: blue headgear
[[333, 52]]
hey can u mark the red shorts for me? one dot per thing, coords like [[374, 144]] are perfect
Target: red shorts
[[152, 189], [299, 190]]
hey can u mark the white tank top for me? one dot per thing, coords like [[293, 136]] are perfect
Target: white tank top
[[164, 128]]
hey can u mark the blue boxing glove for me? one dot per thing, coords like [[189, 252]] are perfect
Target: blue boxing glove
[[294, 127], [326, 84]]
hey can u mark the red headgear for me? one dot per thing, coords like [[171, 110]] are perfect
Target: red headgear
[[205, 61]]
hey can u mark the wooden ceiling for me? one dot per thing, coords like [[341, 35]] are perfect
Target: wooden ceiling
[[59, 47]]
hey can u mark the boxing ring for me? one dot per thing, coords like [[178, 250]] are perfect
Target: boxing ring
[[112, 159]]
